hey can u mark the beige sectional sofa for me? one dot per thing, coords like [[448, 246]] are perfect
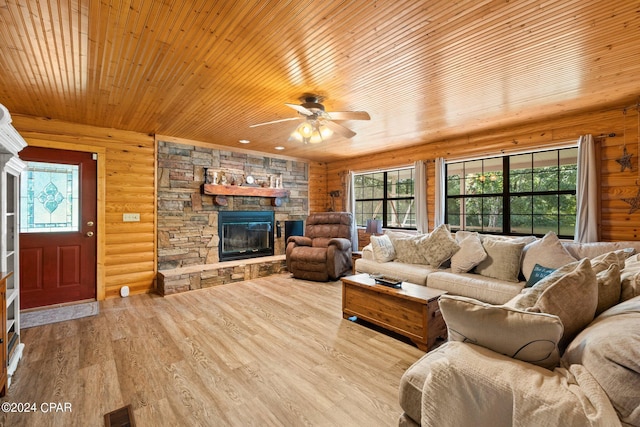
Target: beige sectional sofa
[[472, 284], [563, 351]]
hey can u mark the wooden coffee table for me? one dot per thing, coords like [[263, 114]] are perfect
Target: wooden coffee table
[[411, 311]]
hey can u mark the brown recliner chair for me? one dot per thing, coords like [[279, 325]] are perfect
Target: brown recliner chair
[[324, 252]]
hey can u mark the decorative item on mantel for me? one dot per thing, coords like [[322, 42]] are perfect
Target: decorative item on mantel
[[210, 176], [220, 188]]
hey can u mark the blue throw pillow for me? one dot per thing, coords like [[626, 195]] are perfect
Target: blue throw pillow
[[539, 272]]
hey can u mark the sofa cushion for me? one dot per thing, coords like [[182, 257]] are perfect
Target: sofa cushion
[[438, 246], [547, 251], [593, 249], [412, 382], [383, 250], [412, 273], [530, 337], [520, 239], [471, 253], [630, 278], [502, 261], [570, 292], [539, 272], [487, 289], [609, 348]]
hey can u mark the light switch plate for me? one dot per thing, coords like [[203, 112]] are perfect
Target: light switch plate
[[130, 217]]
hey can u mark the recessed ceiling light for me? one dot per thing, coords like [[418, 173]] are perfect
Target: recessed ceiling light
[[244, 141], [279, 147]]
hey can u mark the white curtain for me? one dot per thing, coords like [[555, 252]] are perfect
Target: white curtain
[[422, 217], [351, 207], [438, 217], [586, 192]]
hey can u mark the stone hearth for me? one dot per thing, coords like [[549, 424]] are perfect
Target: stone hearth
[[203, 276]]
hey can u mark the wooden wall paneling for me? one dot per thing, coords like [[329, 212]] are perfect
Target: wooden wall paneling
[[319, 199], [128, 249]]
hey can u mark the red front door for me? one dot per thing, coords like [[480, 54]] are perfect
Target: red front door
[[57, 227]]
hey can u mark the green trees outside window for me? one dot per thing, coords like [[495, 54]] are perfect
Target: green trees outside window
[[529, 193], [386, 195]]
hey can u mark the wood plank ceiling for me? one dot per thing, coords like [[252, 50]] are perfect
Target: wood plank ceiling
[[424, 70]]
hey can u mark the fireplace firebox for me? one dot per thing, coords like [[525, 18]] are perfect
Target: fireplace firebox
[[245, 234]]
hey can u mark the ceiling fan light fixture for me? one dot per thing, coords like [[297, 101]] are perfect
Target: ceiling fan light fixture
[[325, 132], [311, 132], [306, 129], [315, 137]]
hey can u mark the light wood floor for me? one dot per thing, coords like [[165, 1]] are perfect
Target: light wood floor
[[268, 352]]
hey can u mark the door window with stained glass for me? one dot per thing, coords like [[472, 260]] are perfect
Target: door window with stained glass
[[49, 198]]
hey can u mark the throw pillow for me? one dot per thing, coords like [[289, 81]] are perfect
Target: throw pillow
[[547, 251], [502, 261], [570, 292], [382, 247], [406, 247], [539, 272], [602, 262], [471, 253], [407, 251], [439, 246], [630, 278], [462, 234], [609, 348], [609, 288], [530, 337]]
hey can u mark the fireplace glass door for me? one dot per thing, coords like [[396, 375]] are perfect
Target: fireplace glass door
[[245, 235]]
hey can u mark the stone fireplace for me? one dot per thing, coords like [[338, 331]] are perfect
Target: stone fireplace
[[190, 253]]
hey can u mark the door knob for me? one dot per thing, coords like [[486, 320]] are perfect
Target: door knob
[[89, 233]]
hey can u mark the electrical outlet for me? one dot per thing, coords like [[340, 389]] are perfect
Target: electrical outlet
[[131, 217]]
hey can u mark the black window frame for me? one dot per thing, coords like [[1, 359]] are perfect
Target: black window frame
[[385, 199], [507, 195]]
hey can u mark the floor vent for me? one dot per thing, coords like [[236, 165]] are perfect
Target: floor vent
[[122, 417]]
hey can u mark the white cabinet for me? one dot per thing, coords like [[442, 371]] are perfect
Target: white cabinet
[[10, 169]]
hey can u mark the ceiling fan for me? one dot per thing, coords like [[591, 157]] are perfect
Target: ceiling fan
[[317, 124]]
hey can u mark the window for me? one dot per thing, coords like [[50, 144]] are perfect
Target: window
[[386, 195], [49, 198], [529, 193]]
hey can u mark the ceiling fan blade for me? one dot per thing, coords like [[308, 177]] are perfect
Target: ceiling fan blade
[[349, 115], [300, 109], [275, 121], [339, 129]]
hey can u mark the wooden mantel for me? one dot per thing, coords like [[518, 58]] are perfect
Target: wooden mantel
[[240, 190], [221, 191]]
